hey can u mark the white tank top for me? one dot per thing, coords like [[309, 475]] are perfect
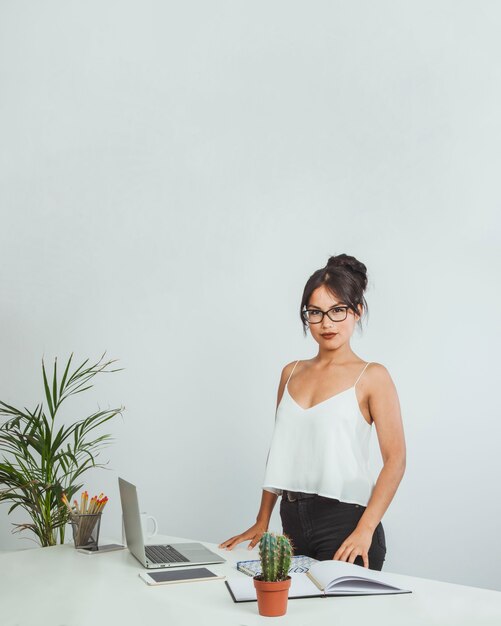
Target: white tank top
[[323, 449]]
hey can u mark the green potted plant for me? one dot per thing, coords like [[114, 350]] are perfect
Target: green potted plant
[[40, 458], [272, 585]]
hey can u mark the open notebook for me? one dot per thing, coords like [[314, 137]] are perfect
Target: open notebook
[[324, 578]]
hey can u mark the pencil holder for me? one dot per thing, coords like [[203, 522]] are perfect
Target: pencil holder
[[86, 529]]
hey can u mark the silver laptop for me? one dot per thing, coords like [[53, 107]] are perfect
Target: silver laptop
[[163, 555]]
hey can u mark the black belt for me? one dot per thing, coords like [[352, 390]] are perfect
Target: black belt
[[292, 496]]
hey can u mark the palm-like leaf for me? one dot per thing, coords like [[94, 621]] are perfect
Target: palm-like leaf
[[40, 461]]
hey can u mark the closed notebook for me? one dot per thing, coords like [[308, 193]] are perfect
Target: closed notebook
[[325, 578]]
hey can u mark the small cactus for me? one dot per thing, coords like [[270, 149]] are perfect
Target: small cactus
[[275, 552], [284, 557]]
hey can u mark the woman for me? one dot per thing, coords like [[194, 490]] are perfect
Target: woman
[[318, 459]]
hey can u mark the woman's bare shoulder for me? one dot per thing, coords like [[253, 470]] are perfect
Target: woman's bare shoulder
[[378, 369], [378, 375], [286, 372], [287, 369]]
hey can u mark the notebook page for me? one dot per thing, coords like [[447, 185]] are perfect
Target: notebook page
[[301, 585], [359, 586], [242, 587], [328, 572]]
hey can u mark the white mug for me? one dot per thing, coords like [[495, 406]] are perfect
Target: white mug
[[148, 532]]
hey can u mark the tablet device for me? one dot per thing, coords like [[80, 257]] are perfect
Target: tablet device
[[165, 577]]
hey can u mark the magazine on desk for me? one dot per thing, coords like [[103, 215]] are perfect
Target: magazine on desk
[[324, 578]]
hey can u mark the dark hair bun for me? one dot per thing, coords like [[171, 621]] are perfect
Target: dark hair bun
[[349, 263]]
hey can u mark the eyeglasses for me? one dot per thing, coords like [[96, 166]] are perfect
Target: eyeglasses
[[315, 316]]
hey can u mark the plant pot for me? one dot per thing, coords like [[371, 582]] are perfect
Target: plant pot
[[272, 596]]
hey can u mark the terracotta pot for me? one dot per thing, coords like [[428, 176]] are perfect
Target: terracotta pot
[[272, 596]]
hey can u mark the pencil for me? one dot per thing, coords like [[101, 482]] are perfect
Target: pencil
[[102, 504], [65, 502]]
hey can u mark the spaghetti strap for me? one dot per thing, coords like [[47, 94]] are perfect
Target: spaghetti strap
[[362, 373], [291, 373]]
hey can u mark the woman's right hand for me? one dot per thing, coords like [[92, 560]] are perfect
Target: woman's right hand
[[254, 533]]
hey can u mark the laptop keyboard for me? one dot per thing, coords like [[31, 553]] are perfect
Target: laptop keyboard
[[164, 554]]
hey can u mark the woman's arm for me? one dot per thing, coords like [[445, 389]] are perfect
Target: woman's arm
[[384, 407], [268, 500]]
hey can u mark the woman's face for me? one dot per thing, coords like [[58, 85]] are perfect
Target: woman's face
[[322, 299]]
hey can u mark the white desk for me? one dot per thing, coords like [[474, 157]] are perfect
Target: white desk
[[59, 586]]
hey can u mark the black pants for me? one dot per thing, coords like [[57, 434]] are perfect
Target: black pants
[[318, 526]]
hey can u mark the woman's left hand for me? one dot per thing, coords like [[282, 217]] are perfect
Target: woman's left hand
[[357, 543]]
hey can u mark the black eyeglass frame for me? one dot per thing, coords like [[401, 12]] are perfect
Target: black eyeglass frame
[[305, 317]]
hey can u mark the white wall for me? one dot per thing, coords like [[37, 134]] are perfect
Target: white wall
[[168, 170]]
